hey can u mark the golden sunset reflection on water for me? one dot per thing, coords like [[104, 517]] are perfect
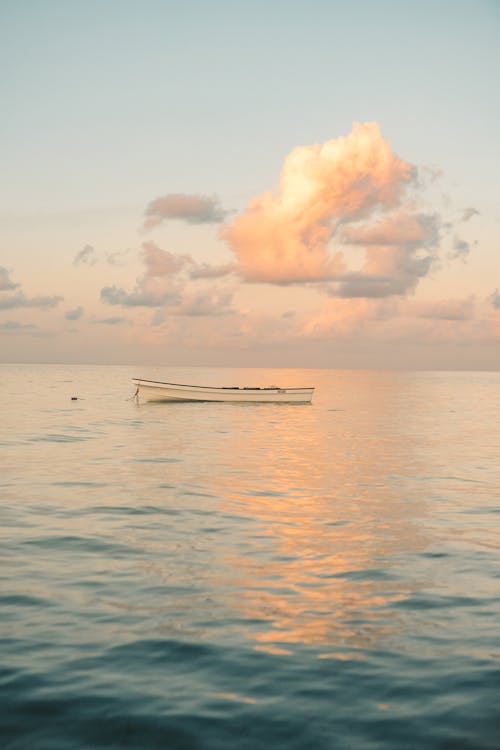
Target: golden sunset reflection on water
[[289, 524], [326, 495]]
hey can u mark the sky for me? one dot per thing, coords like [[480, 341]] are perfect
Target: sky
[[268, 184]]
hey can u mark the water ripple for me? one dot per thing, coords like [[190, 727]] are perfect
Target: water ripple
[[253, 578]]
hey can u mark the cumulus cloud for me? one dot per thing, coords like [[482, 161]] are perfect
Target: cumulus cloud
[[411, 230], [20, 300], [193, 209], [284, 237], [86, 256], [5, 281], [75, 314], [399, 251]]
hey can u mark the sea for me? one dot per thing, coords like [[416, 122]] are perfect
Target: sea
[[210, 576]]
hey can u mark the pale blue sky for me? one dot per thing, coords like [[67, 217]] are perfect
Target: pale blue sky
[[106, 106], [108, 103]]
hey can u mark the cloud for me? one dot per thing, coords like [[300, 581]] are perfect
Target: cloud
[[194, 209], [412, 230], [159, 317], [191, 327], [357, 285], [165, 283], [86, 256], [461, 249], [113, 321], [367, 322], [206, 271], [494, 299], [468, 213], [118, 258], [339, 318], [75, 314], [162, 263], [158, 286], [13, 326], [20, 300], [399, 250], [89, 256], [5, 281], [452, 309], [209, 303], [284, 237], [428, 175], [144, 295]]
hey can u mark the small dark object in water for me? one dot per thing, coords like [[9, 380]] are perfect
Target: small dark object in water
[[74, 398]]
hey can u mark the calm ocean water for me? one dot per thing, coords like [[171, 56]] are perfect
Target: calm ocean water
[[231, 576]]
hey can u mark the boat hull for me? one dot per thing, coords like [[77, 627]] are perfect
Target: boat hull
[[153, 390]]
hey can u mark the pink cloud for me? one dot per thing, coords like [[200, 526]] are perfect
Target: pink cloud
[[159, 285], [166, 283], [161, 262], [400, 249], [339, 318], [193, 209], [463, 322], [283, 237], [401, 228]]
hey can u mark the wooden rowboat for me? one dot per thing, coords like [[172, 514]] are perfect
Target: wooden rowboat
[[154, 390]]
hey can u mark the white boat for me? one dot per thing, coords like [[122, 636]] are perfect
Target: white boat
[[154, 390]]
